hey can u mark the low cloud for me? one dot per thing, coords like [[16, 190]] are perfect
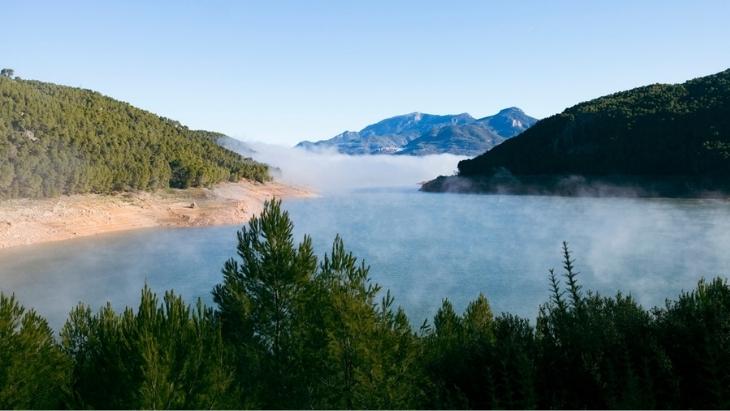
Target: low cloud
[[329, 171]]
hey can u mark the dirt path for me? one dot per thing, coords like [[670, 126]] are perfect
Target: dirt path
[[27, 221]]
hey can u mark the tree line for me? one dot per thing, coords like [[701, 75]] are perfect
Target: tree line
[[289, 330], [62, 140]]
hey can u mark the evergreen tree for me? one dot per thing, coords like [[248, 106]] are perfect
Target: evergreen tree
[[338, 329], [514, 365], [166, 355], [597, 352], [33, 371], [258, 304], [695, 333], [307, 335], [459, 357], [392, 378]]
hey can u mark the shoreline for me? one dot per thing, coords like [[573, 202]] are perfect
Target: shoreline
[[569, 185], [36, 221]]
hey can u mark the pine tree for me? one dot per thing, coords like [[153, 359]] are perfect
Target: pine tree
[[339, 327], [166, 355], [514, 363], [695, 332], [571, 275], [33, 371], [258, 303]]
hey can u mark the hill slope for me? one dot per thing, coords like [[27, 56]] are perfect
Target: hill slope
[[63, 140], [420, 134], [467, 140], [672, 138]]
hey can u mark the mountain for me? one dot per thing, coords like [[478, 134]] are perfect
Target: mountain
[[64, 140], [420, 134], [467, 140], [509, 122], [660, 139], [473, 138], [352, 142]]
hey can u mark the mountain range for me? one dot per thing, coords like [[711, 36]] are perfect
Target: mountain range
[[664, 139], [422, 134]]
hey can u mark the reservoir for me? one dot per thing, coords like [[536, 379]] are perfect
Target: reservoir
[[423, 247]]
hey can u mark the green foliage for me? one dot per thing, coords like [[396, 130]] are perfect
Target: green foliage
[[477, 361], [598, 352], [306, 335], [259, 302], [392, 377], [695, 334], [657, 131], [341, 322], [291, 332], [63, 140], [33, 370], [166, 355], [514, 363]]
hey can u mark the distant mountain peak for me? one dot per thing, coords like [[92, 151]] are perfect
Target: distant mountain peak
[[510, 110], [508, 122], [393, 135]]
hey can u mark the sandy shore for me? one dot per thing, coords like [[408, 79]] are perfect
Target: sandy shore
[[26, 221]]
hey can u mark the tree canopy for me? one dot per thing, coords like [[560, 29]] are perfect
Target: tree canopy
[[62, 140]]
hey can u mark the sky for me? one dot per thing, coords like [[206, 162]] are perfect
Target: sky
[[281, 72]]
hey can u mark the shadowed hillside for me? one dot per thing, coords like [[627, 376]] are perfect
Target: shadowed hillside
[[668, 139]]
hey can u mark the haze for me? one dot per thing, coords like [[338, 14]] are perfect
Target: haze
[[331, 172]]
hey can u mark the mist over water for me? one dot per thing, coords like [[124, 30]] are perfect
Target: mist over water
[[429, 246], [332, 172], [424, 247]]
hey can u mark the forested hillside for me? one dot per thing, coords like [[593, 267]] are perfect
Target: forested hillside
[[659, 132], [63, 140], [291, 331]]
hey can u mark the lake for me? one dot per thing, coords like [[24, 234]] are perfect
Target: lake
[[423, 247]]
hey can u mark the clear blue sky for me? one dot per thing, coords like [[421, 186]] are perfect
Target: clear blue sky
[[285, 71]]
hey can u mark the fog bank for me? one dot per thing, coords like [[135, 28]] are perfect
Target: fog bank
[[334, 172]]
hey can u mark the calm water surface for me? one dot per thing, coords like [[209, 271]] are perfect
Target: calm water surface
[[424, 247]]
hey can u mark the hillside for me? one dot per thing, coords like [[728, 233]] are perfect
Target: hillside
[[62, 140], [666, 139], [421, 134], [466, 140]]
